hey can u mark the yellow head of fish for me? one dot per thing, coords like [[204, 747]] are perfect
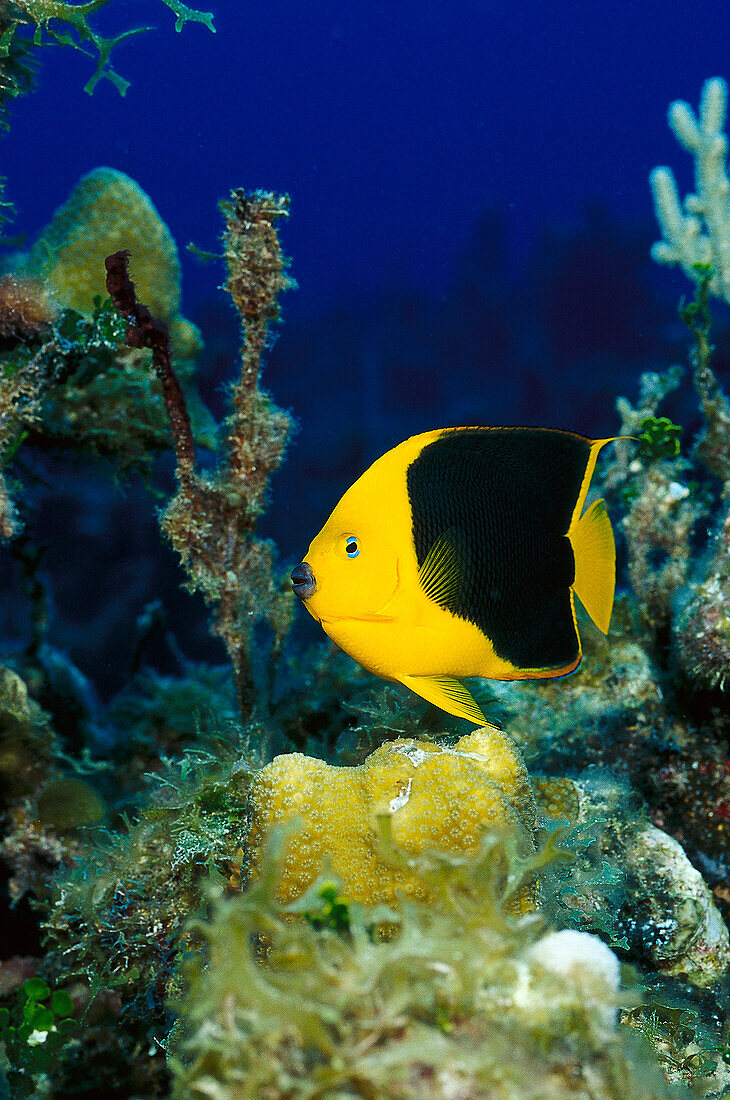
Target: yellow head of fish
[[458, 554]]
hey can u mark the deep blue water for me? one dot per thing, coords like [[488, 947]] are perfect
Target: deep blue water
[[392, 125], [470, 228]]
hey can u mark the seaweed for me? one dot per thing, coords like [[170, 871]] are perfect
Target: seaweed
[[65, 24], [458, 998]]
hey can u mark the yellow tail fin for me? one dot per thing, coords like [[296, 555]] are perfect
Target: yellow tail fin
[[595, 563]]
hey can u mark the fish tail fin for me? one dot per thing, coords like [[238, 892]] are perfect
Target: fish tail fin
[[595, 563]]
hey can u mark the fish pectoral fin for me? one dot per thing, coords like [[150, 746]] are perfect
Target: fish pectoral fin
[[442, 568], [448, 694]]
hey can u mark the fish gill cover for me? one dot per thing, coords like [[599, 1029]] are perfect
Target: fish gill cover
[[276, 877]]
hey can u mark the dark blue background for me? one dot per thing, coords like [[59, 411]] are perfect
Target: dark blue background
[[393, 125]]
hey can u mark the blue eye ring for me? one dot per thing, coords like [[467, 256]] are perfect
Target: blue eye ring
[[352, 547]]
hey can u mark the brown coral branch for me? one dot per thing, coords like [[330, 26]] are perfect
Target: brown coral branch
[[211, 520], [146, 331]]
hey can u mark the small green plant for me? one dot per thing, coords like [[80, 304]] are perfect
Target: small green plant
[[89, 346], [697, 316], [334, 912], [56, 21], [658, 438], [32, 1030]]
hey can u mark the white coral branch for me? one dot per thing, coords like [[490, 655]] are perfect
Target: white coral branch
[[697, 232]]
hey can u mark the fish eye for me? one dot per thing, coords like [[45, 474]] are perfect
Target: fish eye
[[352, 546]]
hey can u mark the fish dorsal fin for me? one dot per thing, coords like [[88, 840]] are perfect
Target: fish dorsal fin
[[441, 569], [595, 563], [448, 694]]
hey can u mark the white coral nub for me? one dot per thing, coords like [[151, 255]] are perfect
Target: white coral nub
[[567, 973], [699, 232]]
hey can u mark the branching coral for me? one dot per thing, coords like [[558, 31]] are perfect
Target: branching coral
[[698, 238], [212, 518], [146, 331]]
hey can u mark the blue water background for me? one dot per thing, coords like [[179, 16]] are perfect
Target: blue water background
[[470, 227]]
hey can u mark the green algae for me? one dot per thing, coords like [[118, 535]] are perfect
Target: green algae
[[437, 1007], [68, 24]]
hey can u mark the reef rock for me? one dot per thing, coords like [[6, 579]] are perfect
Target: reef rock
[[105, 212], [677, 921], [661, 908]]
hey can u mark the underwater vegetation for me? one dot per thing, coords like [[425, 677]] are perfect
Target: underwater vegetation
[[462, 1000], [279, 878], [26, 24]]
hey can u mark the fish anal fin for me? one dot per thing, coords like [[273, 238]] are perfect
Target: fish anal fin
[[441, 569], [595, 563], [448, 694]]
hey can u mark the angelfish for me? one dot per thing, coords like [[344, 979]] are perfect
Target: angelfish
[[460, 553]]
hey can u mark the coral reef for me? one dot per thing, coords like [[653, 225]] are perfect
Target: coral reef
[[107, 211], [383, 915], [435, 797], [460, 1001]]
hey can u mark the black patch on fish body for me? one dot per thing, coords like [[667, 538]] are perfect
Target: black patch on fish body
[[504, 499]]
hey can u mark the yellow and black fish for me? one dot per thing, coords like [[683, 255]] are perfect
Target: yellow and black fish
[[459, 553]]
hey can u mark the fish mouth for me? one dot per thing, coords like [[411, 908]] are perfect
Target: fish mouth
[[302, 581]]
